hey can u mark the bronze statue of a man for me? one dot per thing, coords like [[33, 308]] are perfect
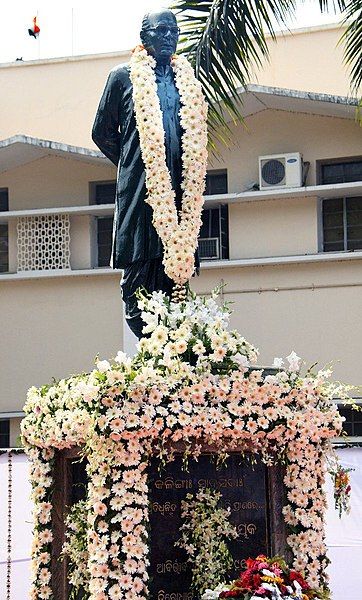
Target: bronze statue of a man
[[136, 248]]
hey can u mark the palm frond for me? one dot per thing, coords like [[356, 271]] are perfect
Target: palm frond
[[332, 5], [352, 38], [225, 40]]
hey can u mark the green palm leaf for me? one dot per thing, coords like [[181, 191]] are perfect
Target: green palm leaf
[[225, 40], [352, 38]]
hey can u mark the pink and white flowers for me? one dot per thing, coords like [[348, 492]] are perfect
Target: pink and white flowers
[[127, 409]]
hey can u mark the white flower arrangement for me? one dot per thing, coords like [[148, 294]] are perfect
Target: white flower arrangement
[[176, 388], [179, 235], [215, 593], [75, 548], [192, 335], [204, 535]]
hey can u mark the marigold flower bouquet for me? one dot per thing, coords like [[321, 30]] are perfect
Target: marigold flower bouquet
[[266, 578]]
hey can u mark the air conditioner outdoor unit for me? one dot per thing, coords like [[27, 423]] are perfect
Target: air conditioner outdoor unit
[[280, 170], [209, 248]]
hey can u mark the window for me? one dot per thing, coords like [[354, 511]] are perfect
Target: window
[[342, 224], [341, 172], [216, 182], [353, 423], [4, 433], [214, 233], [4, 233], [341, 217], [104, 193], [104, 240]]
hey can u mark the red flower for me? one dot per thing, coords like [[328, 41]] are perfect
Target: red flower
[[295, 576], [246, 580]]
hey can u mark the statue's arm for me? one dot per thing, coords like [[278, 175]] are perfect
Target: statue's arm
[[105, 132]]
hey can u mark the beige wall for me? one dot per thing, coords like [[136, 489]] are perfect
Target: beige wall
[[274, 228], [55, 181], [313, 309], [274, 310], [307, 59], [316, 137], [53, 328], [62, 94], [52, 181], [61, 97], [288, 226]]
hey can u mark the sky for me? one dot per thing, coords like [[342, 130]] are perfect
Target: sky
[[73, 27]]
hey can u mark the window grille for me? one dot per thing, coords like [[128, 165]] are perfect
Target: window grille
[[341, 217], [43, 242], [104, 240], [209, 248], [342, 224], [105, 193], [216, 182]]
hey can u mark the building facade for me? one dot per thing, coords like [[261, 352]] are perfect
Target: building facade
[[286, 237]]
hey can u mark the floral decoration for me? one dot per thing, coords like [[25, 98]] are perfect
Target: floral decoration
[[266, 579], [342, 489], [190, 382], [75, 549], [179, 233], [205, 532]]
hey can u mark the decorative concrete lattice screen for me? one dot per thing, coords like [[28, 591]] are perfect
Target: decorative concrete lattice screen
[[43, 242]]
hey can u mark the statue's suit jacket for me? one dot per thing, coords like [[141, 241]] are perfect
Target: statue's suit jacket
[[115, 133]]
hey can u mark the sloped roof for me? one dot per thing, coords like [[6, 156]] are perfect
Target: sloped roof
[[21, 149], [256, 98]]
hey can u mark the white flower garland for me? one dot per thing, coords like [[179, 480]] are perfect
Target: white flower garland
[[205, 533], [179, 236]]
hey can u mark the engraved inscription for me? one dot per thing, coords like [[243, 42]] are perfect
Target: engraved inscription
[[162, 595], [164, 508], [243, 490]]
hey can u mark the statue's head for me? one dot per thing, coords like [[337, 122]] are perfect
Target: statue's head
[[159, 34]]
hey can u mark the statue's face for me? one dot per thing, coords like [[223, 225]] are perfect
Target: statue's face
[[161, 36]]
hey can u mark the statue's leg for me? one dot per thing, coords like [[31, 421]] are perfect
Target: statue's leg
[[149, 275]]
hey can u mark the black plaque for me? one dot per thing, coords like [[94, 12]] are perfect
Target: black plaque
[[244, 489]]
